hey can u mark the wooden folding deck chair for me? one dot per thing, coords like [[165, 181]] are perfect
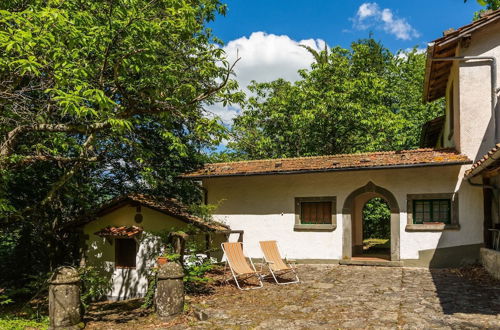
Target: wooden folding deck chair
[[238, 264], [276, 264]]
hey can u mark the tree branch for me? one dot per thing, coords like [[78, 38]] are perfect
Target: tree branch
[[212, 91], [86, 147], [32, 159], [10, 142]]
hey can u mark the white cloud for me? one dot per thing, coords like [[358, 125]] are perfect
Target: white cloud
[[265, 57], [403, 53], [368, 9], [370, 15]]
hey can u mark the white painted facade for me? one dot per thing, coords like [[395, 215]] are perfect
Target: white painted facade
[[471, 82], [100, 252], [263, 206]]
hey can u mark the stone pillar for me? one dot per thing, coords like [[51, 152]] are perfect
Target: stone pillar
[[169, 297], [64, 299]]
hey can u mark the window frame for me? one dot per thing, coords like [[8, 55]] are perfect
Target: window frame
[[118, 242], [431, 211], [430, 226], [299, 226]]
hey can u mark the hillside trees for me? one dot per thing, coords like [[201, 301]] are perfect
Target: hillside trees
[[351, 100]]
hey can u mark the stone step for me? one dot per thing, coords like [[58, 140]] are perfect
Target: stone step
[[384, 263]]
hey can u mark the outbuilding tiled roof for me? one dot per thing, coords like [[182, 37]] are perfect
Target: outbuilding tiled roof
[[169, 206], [123, 231], [344, 162], [488, 161]]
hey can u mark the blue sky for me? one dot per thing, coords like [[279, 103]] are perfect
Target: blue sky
[[266, 34], [331, 20]]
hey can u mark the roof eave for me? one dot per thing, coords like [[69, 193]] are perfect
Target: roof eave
[[428, 67], [484, 165], [342, 169], [128, 199]]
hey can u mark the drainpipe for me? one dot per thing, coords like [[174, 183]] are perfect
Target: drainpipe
[[494, 89]]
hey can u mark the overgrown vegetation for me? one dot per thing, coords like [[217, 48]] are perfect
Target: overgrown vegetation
[[96, 284], [376, 219], [196, 265], [98, 99], [15, 323]]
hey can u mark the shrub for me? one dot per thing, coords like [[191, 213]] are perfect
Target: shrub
[[21, 323], [96, 283]]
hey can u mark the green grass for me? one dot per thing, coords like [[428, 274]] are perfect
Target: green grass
[[16, 323], [376, 243]]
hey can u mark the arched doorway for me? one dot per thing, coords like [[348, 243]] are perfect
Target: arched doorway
[[376, 229], [353, 220]]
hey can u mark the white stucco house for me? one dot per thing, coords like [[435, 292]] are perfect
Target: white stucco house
[[312, 205], [121, 239]]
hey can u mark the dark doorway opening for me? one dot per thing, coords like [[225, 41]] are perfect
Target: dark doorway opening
[[376, 229]]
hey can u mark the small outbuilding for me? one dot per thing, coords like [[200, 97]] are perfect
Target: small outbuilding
[[123, 239]]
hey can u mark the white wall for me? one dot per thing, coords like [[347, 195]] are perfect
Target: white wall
[[263, 206], [476, 131], [128, 283]]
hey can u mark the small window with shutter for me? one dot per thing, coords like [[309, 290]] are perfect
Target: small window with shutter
[[315, 213], [125, 252]]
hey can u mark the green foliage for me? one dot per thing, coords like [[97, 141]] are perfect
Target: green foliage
[[14, 323], [99, 99], [96, 283], [195, 270], [150, 293], [376, 219], [353, 100], [489, 4], [204, 211], [4, 298], [167, 248]]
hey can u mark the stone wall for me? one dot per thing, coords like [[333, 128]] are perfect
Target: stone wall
[[490, 259]]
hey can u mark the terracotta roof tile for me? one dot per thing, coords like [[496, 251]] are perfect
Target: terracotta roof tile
[[169, 206], [491, 158], [344, 162], [123, 231]]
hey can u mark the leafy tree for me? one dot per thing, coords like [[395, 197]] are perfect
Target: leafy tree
[[489, 4], [376, 219], [98, 98], [351, 100]]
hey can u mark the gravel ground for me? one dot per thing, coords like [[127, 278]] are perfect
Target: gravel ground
[[338, 297]]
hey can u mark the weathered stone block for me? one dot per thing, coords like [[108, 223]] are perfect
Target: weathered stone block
[[490, 259], [169, 297], [64, 299]]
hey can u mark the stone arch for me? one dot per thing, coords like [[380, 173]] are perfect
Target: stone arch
[[347, 215]]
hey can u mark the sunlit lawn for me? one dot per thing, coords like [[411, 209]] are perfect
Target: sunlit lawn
[[376, 243]]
